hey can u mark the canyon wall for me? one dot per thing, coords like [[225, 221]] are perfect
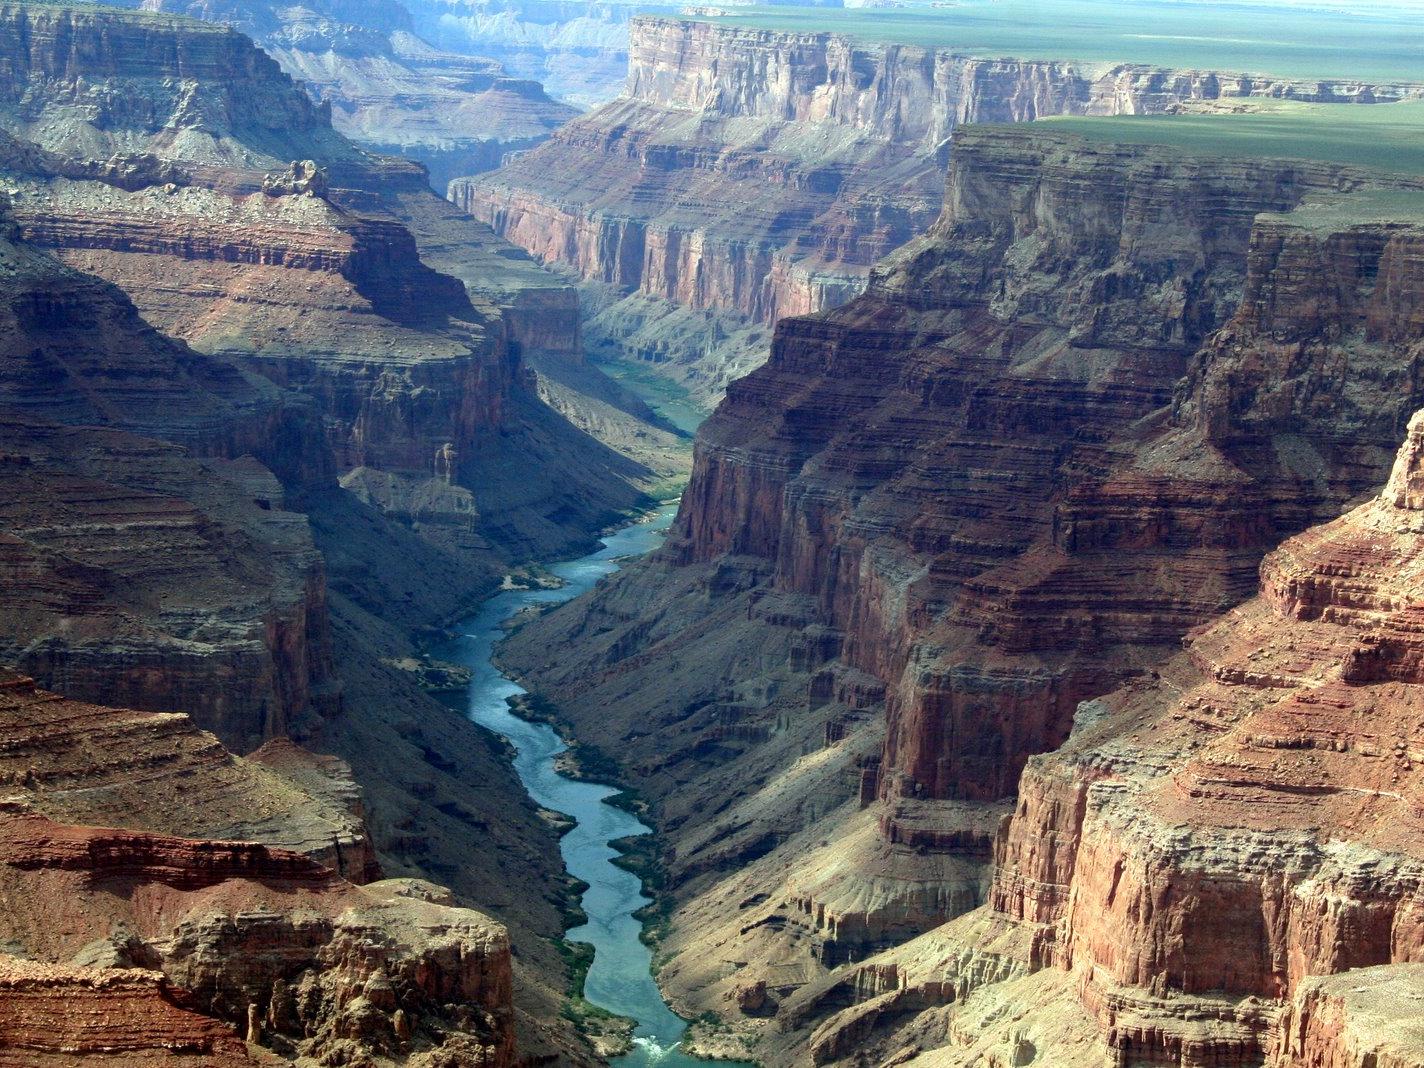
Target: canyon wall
[[764, 173], [256, 445], [311, 275], [577, 50], [209, 942], [455, 112], [921, 543]]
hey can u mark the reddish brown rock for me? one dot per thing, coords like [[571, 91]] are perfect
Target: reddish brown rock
[[763, 173], [92, 764], [53, 1015], [1051, 439]]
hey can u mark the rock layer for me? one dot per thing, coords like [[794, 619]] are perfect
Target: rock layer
[[1059, 431], [389, 89], [764, 173]]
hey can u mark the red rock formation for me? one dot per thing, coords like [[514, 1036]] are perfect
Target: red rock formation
[[1030, 560], [53, 1015], [1052, 438], [320, 287], [91, 764], [1247, 820], [327, 965], [765, 173], [391, 90]]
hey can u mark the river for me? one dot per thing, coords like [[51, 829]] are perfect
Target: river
[[620, 978]]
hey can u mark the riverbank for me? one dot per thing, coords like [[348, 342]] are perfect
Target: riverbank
[[618, 981]]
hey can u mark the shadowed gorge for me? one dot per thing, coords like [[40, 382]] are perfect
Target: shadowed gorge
[[927, 540]]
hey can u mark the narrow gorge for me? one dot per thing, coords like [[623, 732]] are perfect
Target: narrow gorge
[[1016, 667], [966, 520]]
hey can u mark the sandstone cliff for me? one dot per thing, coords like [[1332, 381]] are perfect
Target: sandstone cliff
[[1223, 857], [389, 89], [175, 538], [763, 173], [257, 937], [313, 280], [1059, 430]]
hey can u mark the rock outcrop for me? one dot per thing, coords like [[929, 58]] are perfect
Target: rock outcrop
[[55, 1014], [455, 112], [147, 554], [764, 173], [90, 764], [306, 273], [1059, 431], [199, 339], [134, 939]]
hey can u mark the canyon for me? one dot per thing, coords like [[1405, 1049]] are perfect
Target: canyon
[[905, 690], [1028, 676], [258, 449], [747, 174]]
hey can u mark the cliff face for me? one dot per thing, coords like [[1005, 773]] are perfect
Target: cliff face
[[1056, 303], [387, 88], [1058, 431], [258, 938], [1213, 841], [120, 547], [250, 525], [310, 275], [764, 172]]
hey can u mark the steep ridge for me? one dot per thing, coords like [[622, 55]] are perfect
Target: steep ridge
[[386, 87], [763, 173], [53, 1014], [308, 276], [153, 572], [256, 933], [1219, 849], [1059, 430], [175, 538], [79, 763]]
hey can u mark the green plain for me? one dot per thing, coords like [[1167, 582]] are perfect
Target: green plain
[[1384, 137], [1299, 42]]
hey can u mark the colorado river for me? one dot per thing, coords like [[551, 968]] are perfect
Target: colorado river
[[620, 979]]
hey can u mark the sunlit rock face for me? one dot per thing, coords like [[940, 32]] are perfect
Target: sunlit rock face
[[929, 538], [455, 111], [138, 942], [253, 441], [763, 173]]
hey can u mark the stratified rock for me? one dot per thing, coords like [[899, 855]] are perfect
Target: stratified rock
[[236, 924], [83, 763], [53, 1015], [763, 173], [388, 88], [577, 51], [1059, 431], [324, 294], [1364, 1017], [302, 177]]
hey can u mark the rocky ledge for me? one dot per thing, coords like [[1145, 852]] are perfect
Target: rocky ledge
[[764, 173], [243, 926], [1059, 431], [387, 88]]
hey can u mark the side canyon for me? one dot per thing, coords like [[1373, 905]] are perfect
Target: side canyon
[[747, 173]]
